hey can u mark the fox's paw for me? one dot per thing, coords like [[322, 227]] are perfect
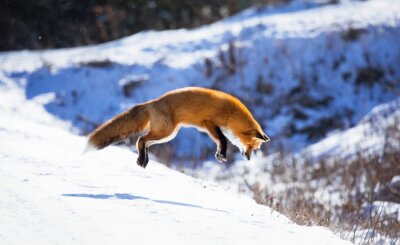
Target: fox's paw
[[220, 157], [139, 162], [142, 161], [142, 164]]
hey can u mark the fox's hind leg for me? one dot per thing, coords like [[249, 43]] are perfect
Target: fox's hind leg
[[154, 136], [216, 134], [143, 157]]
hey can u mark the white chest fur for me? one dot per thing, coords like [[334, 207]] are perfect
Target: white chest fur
[[232, 138]]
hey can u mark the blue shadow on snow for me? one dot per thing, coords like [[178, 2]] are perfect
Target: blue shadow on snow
[[124, 196]]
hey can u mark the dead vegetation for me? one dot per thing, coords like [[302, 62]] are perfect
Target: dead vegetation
[[100, 64], [346, 195]]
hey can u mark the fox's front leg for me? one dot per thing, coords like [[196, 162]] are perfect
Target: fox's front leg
[[220, 155], [219, 138]]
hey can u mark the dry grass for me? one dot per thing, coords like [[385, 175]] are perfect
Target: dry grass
[[362, 181], [311, 191]]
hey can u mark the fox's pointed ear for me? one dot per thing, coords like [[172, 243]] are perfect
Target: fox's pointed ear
[[262, 137]]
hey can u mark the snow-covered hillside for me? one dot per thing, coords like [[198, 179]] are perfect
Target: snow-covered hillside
[[358, 165], [308, 72], [303, 69], [50, 193]]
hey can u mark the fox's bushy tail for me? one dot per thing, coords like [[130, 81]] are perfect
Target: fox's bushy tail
[[120, 127]]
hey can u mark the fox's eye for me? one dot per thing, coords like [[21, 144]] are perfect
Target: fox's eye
[[248, 133], [251, 132]]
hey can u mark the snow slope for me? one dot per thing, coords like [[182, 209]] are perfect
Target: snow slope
[[303, 71], [319, 176], [50, 193]]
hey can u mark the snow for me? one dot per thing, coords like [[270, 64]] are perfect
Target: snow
[[367, 137], [50, 193]]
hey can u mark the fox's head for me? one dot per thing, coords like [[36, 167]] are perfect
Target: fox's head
[[251, 140]]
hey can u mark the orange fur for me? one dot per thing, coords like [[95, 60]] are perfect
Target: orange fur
[[212, 111], [120, 127]]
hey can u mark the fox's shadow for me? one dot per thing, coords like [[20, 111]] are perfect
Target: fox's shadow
[[125, 196]]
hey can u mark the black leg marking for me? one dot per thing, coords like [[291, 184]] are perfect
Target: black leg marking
[[143, 157], [146, 160], [220, 155]]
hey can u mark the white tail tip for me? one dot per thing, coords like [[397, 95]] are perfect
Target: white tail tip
[[89, 147]]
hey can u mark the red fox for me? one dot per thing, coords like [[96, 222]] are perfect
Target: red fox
[[218, 114]]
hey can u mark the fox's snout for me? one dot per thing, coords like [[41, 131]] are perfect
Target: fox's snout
[[246, 155]]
